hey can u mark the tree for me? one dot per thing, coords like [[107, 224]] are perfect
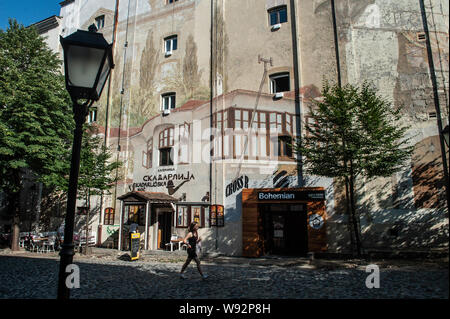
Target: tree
[[97, 172], [35, 116], [354, 133]]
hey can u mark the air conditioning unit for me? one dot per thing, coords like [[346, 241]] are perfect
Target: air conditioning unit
[[276, 27], [168, 53], [166, 112], [279, 95]]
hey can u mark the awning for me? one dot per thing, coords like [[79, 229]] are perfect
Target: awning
[[153, 197]]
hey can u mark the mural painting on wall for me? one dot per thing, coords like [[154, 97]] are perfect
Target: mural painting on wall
[[283, 176]]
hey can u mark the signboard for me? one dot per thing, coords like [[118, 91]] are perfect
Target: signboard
[[311, 195], [315, 221], [216, 215], [236, 185], [135, 245]]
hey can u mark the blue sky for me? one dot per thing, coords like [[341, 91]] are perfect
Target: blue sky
[[27, 12]]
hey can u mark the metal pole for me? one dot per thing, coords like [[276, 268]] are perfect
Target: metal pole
[[297, 83], [436, 101], [67, 251], [336, 43]]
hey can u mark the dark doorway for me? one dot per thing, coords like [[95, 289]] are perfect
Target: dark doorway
[[164, 228], [284, 229]]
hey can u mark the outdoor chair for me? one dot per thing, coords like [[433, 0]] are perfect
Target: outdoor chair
[[171, 243], [49, 245]]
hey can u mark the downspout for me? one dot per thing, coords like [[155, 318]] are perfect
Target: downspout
[[211, 85], [297, 83], [108, 99], [436, 101], [120, 125], [336, 43]]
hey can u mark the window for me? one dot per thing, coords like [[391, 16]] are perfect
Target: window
[[147, 155], [168, 101], [285, 146], [278, 15], [221, 138], [165, 147], [108, 218], [171, 1], [100, 22], [258, 141], [92, 118], [170, 44], [182, 216], [276, 122], [241, 125], [136, 214], [197, 215], [188, 214], [279, 82]]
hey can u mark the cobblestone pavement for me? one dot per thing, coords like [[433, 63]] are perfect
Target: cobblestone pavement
[[105, 275]]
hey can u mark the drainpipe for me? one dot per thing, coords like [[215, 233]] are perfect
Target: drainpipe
[[436, 100], [211, 85], [336, 43], [297, 83]]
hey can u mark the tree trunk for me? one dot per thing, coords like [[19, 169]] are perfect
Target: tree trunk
[[348, 211], [88, 206], [353, 212], [13, 206]]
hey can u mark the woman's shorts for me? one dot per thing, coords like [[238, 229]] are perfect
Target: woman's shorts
[[192, 253]]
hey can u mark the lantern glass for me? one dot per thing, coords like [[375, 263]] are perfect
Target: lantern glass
[[103, 76], [83, 65]]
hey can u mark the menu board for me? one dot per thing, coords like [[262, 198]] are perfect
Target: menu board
[[135, 245]]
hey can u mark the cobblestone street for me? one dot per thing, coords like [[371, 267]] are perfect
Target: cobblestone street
[[105, 275]]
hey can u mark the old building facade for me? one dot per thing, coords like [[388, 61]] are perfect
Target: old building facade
[[187, 69]]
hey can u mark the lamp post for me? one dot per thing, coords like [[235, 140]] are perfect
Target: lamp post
[[88, 62]]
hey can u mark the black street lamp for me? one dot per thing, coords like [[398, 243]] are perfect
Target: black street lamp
[[88, 62]]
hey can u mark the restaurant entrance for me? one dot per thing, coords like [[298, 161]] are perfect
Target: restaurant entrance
[[284, 229], [283, 221]]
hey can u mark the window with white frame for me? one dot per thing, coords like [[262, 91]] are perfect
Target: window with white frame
[[280, 82], [165, 147], [168, 101], [182, 216], [170, 44], [278, 15]]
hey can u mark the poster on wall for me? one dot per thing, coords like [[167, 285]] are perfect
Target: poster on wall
[[216, 216], [213, 216]]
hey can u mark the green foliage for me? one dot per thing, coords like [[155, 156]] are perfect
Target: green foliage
[[353, 132], [35, 116], [97, 172]]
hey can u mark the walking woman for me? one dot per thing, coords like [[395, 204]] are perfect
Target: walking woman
[[191, 241]]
